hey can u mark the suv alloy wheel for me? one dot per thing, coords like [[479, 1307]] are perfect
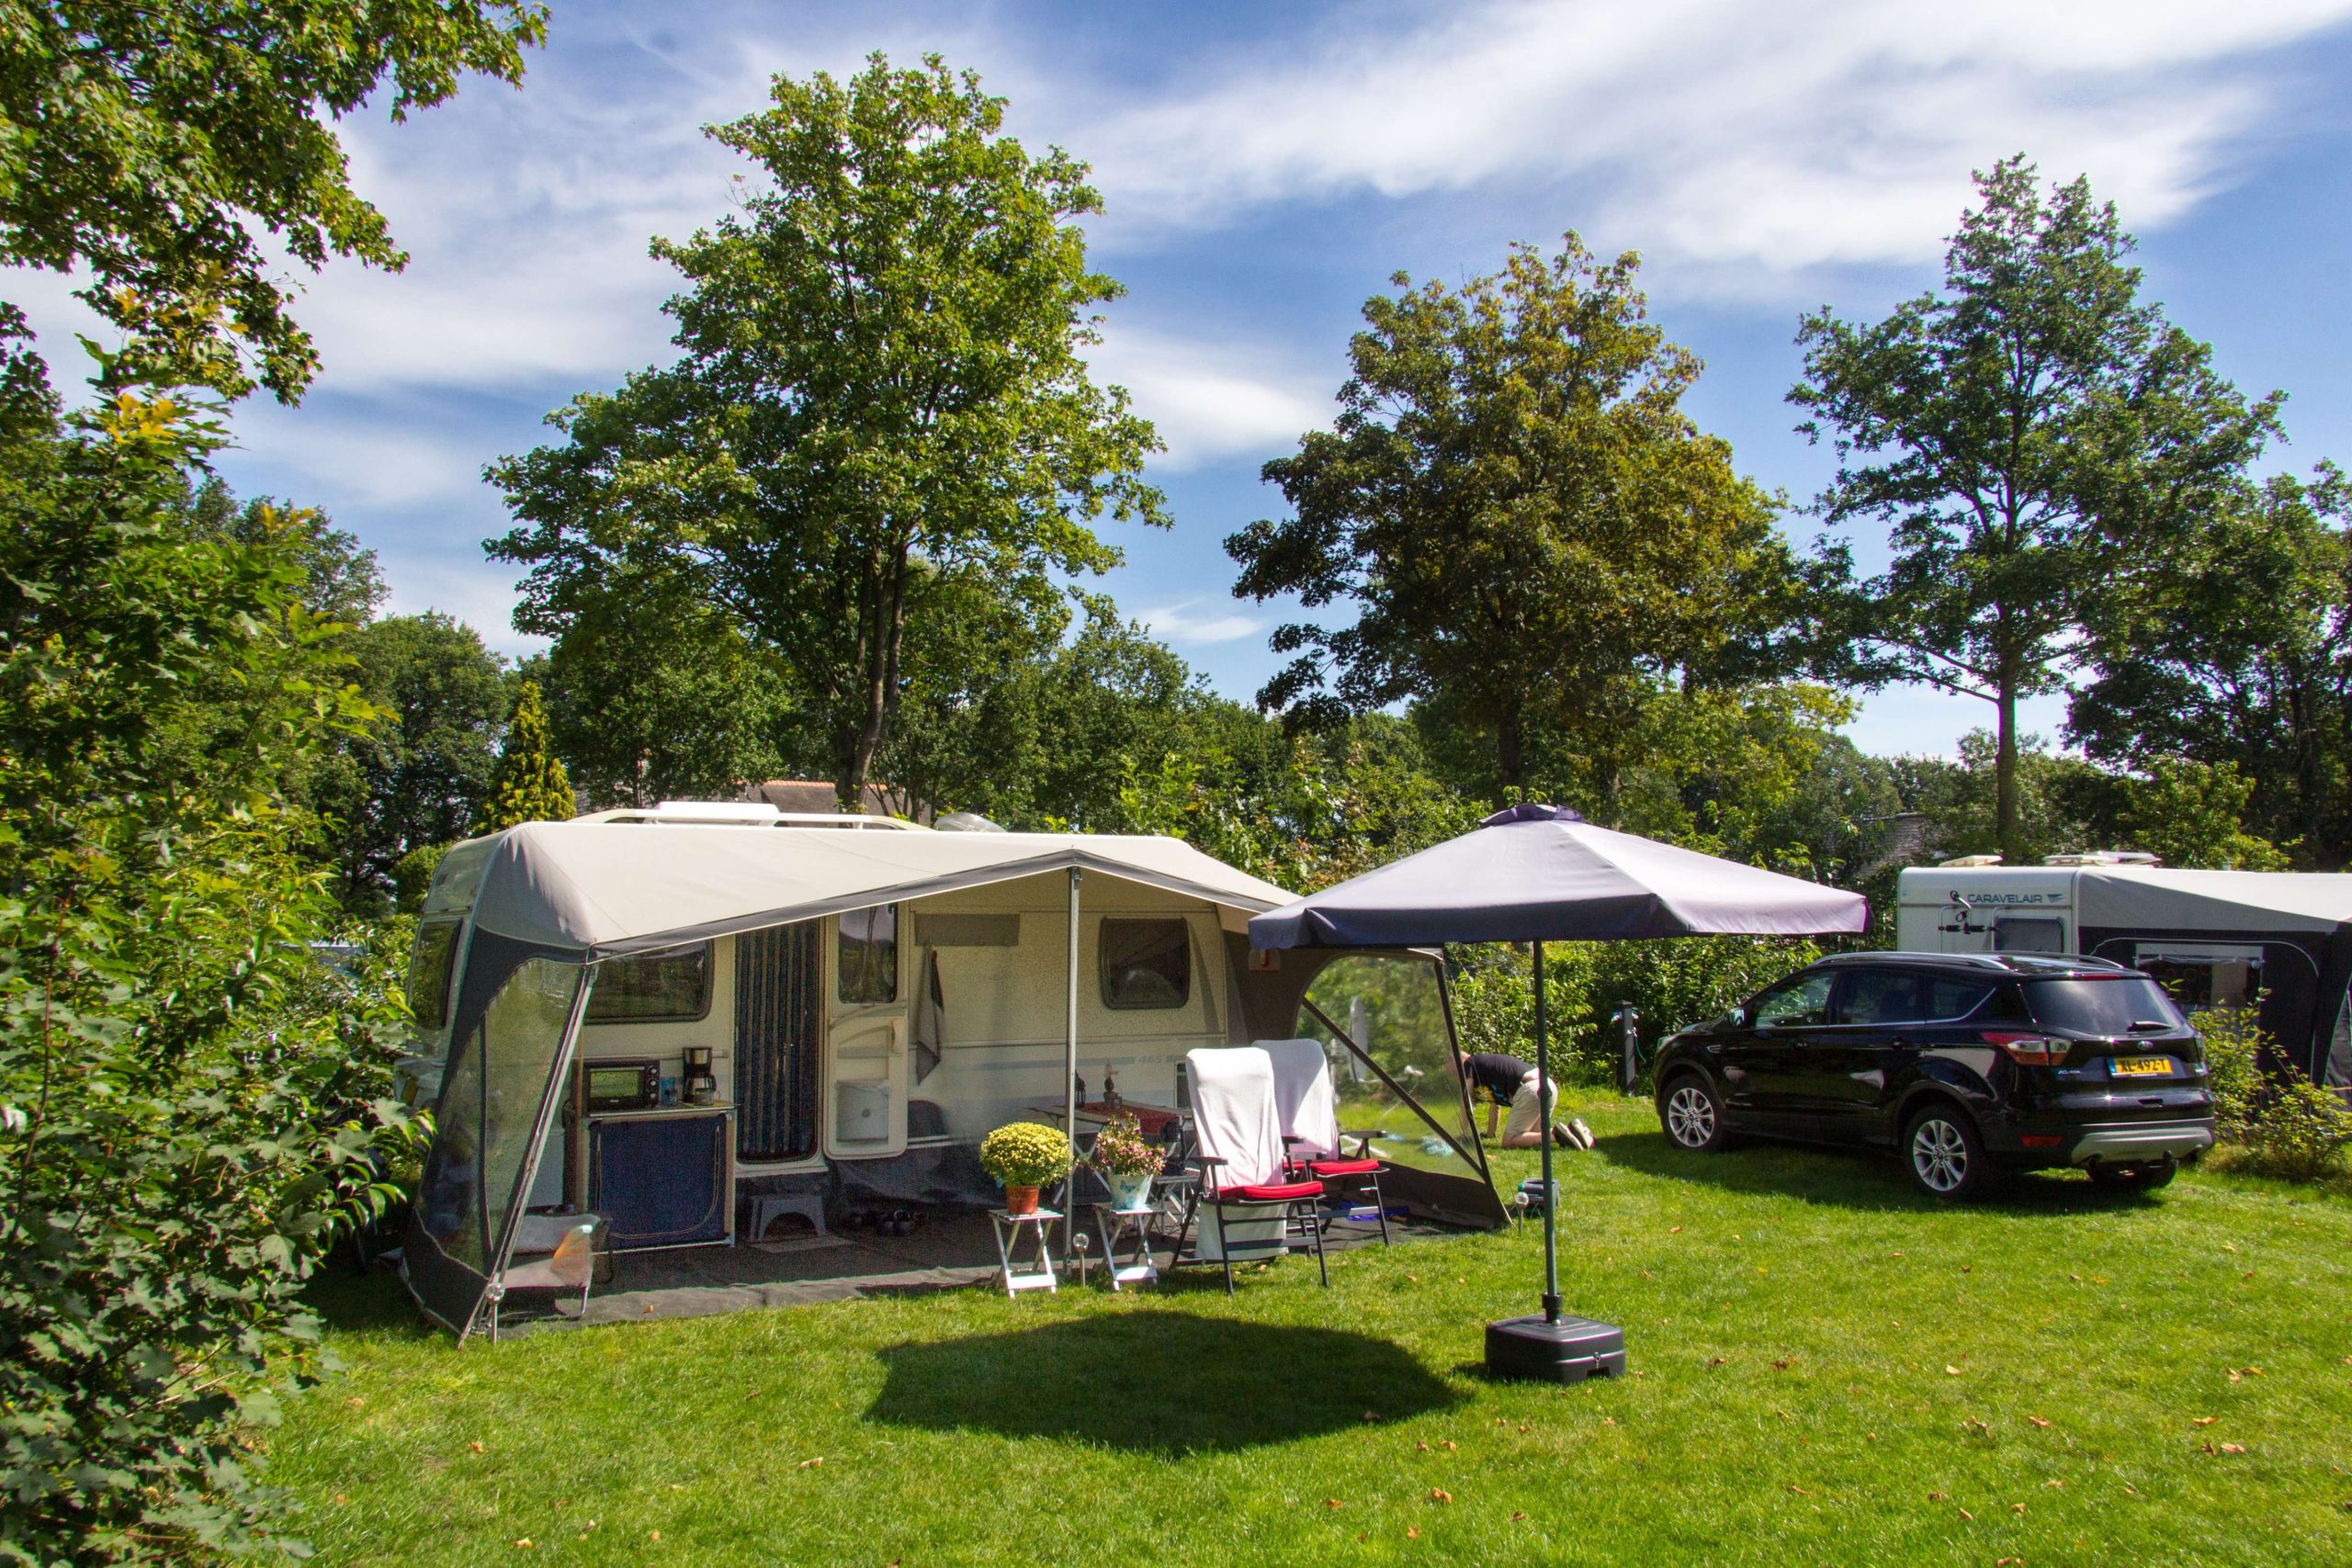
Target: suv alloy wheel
[[1946, 1157], [1694, 1118]]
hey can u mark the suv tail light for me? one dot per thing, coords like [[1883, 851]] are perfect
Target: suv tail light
[[2030, 1050]]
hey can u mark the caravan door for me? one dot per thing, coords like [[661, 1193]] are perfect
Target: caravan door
[[866, 1037]]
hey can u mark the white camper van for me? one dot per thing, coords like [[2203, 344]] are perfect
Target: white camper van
[[2278, 942], [658, 1015]]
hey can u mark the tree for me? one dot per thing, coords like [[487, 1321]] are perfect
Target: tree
[[418, 774], [183, 1091], [528, 784], [176, 153], [2189, 815], [653, 695], [880, 402], [1527, 525], [342, 580], [2024, 437], [2234, 648]]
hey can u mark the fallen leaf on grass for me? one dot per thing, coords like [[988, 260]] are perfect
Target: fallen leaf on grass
[[475, 1447], [1412, 1532], [1894, 1254], [1784, 1363], [1973, 1425], [1524, 1427], [1968, 1517], [2053, 1481], [1718, 1360], [1952, 1372], [652, 1535], [1799, 1490], [1439, 1494], [1936, 1497], [1447, 1444], [2203, 1420], [2236, 1376], [355, 1400], [1609, 1420], [524, 1544], [2017, 1508], [2233, 1447], [809, 1463], [1371, 1416], [1421, 1447], [1968, 1268], [341, 1498], [2038, 1420], [2251, 1371], [1678, 1230], [1331, 1503], [1516, 1516]]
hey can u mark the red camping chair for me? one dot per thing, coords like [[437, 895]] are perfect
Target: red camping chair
[[1312, 1143], [1246, 1203]]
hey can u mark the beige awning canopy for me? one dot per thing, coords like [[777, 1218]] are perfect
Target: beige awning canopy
[[605, 888], [2152, 899]]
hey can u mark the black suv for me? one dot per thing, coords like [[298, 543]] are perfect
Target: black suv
[[1971, 1065]]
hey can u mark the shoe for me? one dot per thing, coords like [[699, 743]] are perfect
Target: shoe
[[1562, 1136], [1580, 1133]]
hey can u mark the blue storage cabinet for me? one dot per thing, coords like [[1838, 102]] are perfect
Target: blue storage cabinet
[[663, 1178]]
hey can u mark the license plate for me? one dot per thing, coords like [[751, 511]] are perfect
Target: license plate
[[2140, 1066]]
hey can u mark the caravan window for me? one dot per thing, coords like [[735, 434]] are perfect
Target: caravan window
[[429, 963], [868, 954], [653, 987], [1145, 963]]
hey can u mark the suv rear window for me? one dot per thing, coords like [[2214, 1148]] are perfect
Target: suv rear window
[[2099, 1007]]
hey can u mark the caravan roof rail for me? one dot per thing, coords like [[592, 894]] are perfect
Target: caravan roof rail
[[743, 814]]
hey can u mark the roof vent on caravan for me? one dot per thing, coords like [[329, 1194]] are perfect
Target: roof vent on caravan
[[967, 822], [1972, 860], [2102, 857]]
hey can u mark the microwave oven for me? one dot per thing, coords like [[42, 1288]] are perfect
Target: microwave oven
[[634, 1084]]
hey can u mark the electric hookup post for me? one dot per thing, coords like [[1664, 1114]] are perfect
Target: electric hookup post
[[1629, 1047]]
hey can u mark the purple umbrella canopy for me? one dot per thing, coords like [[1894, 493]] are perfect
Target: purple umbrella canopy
[[1543, 873]]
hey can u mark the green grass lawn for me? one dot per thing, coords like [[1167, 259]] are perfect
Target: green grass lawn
[[1823, 1369]]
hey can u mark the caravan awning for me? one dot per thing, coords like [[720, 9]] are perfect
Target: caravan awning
[[2155, 900], [605, 888]]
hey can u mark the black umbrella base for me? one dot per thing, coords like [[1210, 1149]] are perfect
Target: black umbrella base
[[1568, 1351]]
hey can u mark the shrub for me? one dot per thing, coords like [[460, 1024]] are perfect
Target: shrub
[[1025, 1153], [2281, 1122]]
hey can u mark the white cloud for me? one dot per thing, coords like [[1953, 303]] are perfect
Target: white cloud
[[1212, 400], [1182, 623], [1716, 131]]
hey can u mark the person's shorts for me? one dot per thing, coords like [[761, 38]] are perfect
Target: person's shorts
[[1524, 1117]]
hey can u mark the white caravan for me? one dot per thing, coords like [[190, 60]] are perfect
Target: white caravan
[[656, 1015], [2278, 942]]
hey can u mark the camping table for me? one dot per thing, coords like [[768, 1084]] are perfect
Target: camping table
[[1116, 1224], [1038, 1276]]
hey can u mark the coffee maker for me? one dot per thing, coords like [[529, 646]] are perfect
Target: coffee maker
[[701, 1084]]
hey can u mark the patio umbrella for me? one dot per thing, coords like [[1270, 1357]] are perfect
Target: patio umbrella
[[1538, 874]]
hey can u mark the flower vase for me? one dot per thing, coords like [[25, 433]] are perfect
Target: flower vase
[[1129, 1192], [1020, 1200]]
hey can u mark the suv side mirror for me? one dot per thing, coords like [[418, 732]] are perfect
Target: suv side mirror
[[1736, 1018]]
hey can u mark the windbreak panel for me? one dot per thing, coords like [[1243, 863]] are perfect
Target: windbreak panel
[[1400, 1082], [507, 1048]]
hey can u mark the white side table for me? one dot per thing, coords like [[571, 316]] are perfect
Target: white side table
[[1115, 1226], [1037, 1275]]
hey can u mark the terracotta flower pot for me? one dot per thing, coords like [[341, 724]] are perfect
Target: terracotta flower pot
[[1020, 1200]]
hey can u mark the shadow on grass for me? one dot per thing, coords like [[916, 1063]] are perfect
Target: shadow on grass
[[1161, 1382], [1851, 1178], [371, 1303]]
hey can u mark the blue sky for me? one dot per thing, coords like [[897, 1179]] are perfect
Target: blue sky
[[1267, 167]]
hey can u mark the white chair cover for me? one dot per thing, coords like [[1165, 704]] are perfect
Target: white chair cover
[[1234, 1120], [1303, 1101]]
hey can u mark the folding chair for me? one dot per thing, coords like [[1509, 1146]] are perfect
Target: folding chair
[[572, 1264], [1312, 1143], [1244, 1203]]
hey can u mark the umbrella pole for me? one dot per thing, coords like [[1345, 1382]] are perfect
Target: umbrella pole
[[1543, 1127], [1070, 1074]]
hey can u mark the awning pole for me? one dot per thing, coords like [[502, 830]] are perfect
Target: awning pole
[[1069, 1074], [1543, 1128]]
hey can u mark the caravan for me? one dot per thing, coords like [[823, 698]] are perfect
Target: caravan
[[673, 1017], [2277, 942]]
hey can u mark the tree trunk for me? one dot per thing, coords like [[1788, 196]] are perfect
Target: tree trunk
[[2005, 770], [1510, 767]]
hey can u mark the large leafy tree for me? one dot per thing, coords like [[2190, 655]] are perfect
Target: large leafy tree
[[2026, 437], [880, 402], [2234, 648], [653, 695], [164, 151], [1527, 526], [415, 777]]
